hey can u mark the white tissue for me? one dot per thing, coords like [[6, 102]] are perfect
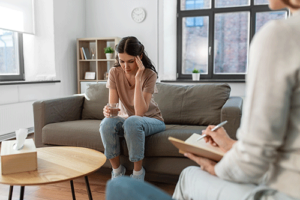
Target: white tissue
[[21, 135]]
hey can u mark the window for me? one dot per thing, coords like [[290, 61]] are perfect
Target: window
[[11, 56], [213, 36]]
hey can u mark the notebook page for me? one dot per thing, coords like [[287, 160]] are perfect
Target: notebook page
[[202, 144]]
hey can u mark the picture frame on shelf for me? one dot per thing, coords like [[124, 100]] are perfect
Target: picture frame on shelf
[[90, 75]]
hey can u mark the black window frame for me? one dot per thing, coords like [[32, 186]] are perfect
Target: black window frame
[[21, 75], [252, 9]]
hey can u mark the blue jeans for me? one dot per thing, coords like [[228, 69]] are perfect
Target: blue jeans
[[130, 189], [134, 129]]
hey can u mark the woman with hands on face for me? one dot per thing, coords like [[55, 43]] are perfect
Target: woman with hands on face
[[138, 74], [131, 83]]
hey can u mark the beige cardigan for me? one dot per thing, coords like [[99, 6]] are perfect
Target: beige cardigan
[[268, 150]]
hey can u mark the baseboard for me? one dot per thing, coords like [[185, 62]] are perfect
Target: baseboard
[[12, 135]]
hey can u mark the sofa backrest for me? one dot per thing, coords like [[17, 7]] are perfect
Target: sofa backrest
[[179, 104], [192, 104], [96, 97]]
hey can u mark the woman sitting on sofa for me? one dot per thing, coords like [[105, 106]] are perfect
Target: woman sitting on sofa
[[131, 83], [265, 162]]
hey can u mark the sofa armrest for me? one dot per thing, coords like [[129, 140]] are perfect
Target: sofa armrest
[[232, 112], [55, 110]]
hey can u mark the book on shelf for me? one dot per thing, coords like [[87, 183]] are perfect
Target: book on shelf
[[82, 48], [200, 147], [87, 53], [81, 54]]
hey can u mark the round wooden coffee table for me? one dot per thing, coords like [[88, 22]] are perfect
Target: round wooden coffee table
[[57, 164]]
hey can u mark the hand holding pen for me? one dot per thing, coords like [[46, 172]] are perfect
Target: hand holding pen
[[213, 129], [217, 136]]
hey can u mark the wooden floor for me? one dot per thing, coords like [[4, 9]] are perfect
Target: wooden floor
[[62, 191]]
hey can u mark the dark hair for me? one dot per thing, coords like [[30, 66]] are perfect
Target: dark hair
[[132, 46], [288, 2]]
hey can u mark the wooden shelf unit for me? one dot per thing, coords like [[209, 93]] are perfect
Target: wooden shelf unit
[[100, 65]]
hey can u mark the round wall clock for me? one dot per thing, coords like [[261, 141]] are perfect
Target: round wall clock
[[138, 15]]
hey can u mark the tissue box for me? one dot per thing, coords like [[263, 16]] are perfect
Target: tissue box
[[13, 161]]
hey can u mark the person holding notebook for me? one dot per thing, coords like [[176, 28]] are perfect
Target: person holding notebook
[[265, 161]]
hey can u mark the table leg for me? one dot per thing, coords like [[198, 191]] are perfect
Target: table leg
[[22, 192], [72, 189], [88, 188], [11, 188]]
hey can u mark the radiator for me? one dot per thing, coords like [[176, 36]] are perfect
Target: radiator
[[15, 116]]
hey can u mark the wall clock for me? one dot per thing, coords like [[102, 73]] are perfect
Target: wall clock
[[138, 14]]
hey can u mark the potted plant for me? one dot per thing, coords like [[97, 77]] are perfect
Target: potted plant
[[196, 75], [108, 52]]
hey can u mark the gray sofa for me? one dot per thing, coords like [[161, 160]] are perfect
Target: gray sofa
[[74, 121]]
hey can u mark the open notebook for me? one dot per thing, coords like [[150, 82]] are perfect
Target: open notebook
[[200, 148]]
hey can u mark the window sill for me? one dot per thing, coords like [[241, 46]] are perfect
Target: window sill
[[205, 81], [27, 82]]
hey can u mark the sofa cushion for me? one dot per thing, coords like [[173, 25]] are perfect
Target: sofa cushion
[[82, 133], [96, 97], [192, 104], [85, 133], [159, 145]]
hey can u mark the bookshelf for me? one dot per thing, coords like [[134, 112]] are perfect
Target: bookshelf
[[98, 65]]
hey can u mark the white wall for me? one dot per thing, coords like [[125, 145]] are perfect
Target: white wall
[[69, 24], [113, 18], [39, 58], [52, 50], [168, 37]]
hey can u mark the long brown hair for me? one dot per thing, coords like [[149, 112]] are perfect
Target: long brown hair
[[132, 46], [288, 2]]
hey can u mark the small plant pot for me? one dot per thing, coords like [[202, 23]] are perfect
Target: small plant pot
[[196, 76], [109, 55]]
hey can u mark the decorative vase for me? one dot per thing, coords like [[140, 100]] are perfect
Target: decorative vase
[[196, 76], [109, 55]]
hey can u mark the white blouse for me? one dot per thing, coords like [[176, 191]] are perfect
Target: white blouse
[[268, 149]]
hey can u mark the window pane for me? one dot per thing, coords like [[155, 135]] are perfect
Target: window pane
[[231, 3], [194, 4], [9, 55], [194, 44], [259, 2], [264, 17], [231, 43]]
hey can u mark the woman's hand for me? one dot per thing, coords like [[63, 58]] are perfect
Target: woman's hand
[[218, 138], [205, 164], [106, 111], [141, 68]]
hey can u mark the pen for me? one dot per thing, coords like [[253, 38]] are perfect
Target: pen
[[215, 128]]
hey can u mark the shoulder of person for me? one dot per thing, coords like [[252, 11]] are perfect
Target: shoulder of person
[[149, 73], [276, 35], [272, 29], [276, 31], [114, 70]]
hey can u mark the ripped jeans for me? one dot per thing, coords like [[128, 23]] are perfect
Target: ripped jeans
[[134, 129]]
